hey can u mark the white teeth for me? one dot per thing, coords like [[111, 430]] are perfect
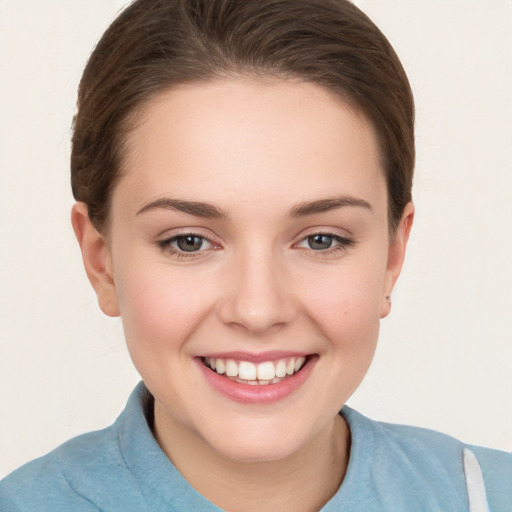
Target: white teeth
[[247, 371], [299, 362], [266, 371], [281, 368], [220, 367], [231, 368]]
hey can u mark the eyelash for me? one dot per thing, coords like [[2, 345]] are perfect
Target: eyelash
[[343, 243], [166, 245]]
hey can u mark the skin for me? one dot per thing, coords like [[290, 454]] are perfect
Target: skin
[[256, 152]]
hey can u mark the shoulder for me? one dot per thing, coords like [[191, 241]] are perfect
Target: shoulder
[[54, 476], [87, 473], [415, 441], [424, 459], [496, 469]]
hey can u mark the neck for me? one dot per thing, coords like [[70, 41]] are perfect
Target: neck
[[302, 482]]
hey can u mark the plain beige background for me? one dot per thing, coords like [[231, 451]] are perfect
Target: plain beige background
[[445, 354]]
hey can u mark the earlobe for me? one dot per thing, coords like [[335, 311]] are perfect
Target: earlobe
[[396, 256], [97, 259]]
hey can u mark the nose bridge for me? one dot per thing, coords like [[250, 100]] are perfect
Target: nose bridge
[[259, 297]]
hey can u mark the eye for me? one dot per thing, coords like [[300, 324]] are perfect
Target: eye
[[320, 242], [191, 243], [325, 243], [186, 244]]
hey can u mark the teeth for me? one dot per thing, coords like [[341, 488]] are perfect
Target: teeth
[[247, 371], [220, 367], [281, 368], [299, 362], [231, 368], [268, 372]]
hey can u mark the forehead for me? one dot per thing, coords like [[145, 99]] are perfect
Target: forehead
[[251, 140]]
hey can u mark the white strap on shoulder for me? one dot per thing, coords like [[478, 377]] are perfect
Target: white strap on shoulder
[[474, 483]]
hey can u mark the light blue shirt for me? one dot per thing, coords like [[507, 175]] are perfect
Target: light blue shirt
[[122, 468]]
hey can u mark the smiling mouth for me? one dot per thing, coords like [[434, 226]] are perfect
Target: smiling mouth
[[256, 374]]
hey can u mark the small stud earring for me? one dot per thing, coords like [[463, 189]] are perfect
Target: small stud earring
[[388, 298]]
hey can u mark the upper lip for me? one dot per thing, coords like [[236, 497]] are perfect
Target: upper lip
[[271, 355]]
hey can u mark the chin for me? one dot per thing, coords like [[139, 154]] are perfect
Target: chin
[[260, 442], [257, 452]]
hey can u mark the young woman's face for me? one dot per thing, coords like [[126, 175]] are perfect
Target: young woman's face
[[249, 234]]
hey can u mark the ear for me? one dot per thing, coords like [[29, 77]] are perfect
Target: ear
[[97, 259], [396, 255]]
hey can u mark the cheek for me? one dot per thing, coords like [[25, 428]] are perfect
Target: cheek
[[346, 305], [160, 308]]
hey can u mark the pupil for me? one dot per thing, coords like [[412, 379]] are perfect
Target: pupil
[[189, 243], [320, 242]]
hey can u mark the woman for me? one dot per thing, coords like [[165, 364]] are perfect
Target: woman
[[243, 176]]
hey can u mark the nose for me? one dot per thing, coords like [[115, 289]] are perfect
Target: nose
[[258, 295]]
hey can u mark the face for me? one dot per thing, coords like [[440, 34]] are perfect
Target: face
[[249, 257]]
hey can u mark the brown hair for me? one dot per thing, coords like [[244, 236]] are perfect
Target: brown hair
[[156, 44]]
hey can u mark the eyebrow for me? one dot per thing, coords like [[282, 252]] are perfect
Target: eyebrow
[[209, 211], [197, 208], [324, 205]]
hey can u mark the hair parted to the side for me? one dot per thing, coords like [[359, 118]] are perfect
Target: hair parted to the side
[[156, 44]]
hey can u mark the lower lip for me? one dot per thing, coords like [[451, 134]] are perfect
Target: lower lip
[[257, 394]]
